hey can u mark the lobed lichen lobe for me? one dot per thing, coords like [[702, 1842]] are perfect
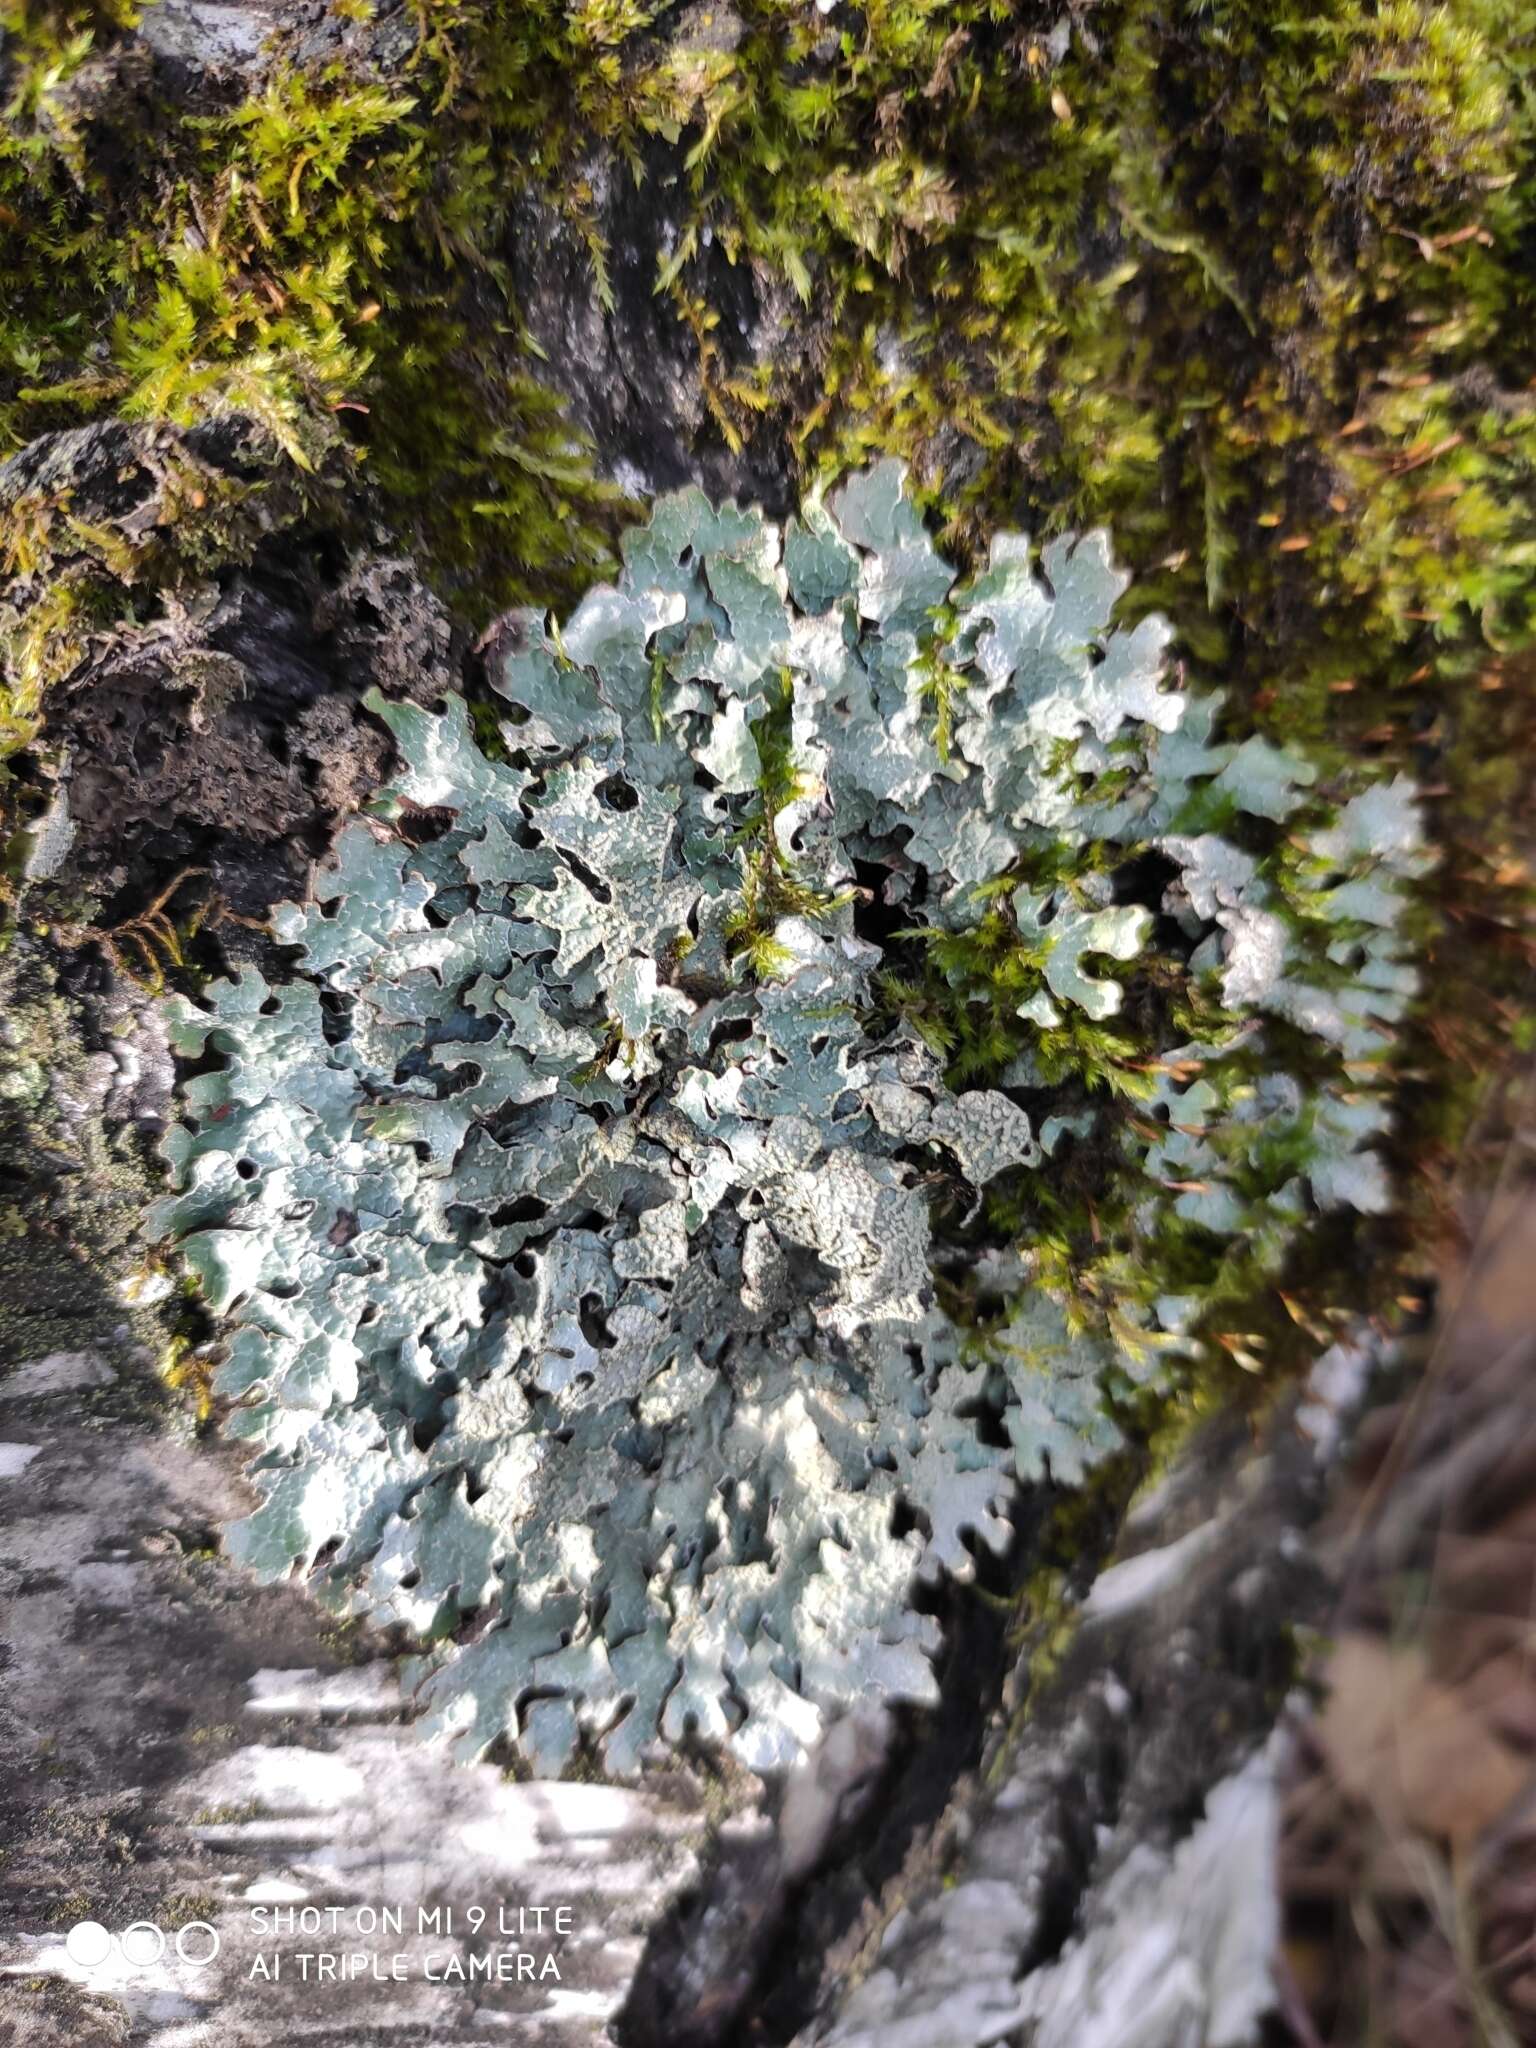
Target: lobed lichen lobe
[[616, 1277]]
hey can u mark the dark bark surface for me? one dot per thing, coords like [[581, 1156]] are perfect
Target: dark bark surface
[[215, 723]]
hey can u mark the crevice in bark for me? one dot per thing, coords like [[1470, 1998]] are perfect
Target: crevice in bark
[[742, 1956]]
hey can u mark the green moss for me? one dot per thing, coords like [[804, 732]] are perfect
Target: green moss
[[1219, 275], [771, 887], [322, 259]]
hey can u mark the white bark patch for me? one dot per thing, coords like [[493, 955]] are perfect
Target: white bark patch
[[1182, 1946]]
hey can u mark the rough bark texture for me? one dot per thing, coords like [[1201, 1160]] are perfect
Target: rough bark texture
[[629, 371], [214, 721], [1061, 1903]]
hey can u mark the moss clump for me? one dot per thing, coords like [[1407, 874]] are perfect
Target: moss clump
[[1238, 279], [321, 256]]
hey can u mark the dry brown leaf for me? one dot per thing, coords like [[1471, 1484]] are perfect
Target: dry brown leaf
[[1413, 1750]]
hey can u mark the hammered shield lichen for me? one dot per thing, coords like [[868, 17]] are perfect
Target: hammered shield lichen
[[573, 1206]]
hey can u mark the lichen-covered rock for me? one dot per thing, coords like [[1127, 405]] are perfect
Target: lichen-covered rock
[[615, 1271]]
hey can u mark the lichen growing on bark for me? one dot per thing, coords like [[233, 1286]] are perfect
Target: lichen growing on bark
[[615, 1273], [1250, 288]]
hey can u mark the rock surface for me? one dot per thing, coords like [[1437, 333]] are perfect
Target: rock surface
[[181, 1747]]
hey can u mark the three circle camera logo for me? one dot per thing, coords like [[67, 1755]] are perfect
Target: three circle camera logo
[[88, 1944]]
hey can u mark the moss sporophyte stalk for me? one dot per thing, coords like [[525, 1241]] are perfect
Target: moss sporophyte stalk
[[679, 1198]]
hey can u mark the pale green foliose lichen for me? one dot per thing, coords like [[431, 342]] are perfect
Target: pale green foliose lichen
[[570, 1208]]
